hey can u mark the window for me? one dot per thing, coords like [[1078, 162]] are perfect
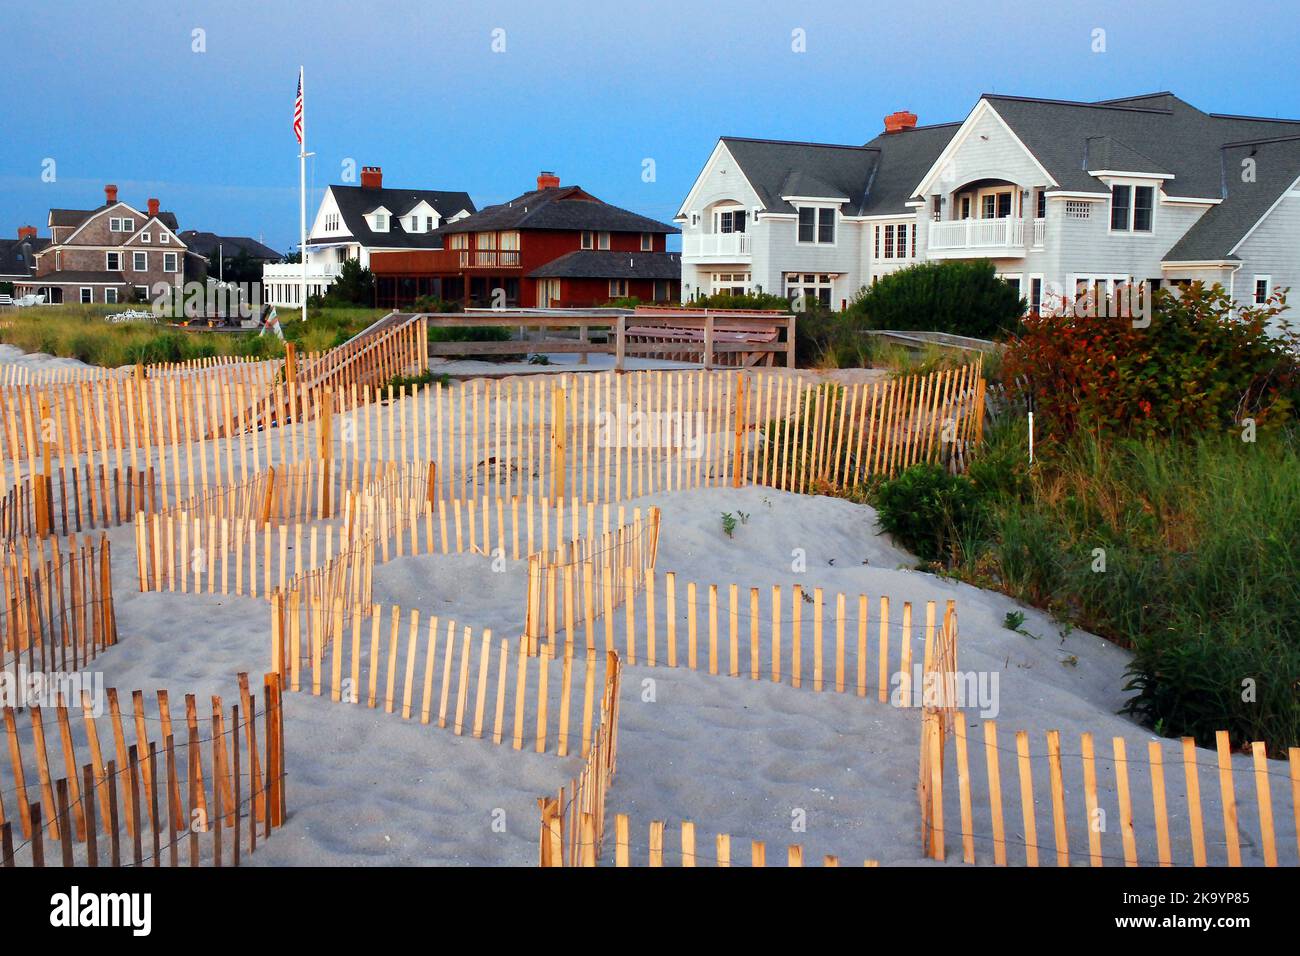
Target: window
[[510, 240], [144, 237], [731, 220], [936, 208], [142, 293], [807, 225], [588, 240], [110, 296], [648, 241], [815, 288], [113, 261], [826, 225], [87, 295], [913, 239], [164, 238], [140, 261], [381, 222], [617, 288], [1143, 208], [1036, 294], [965, 207], [816, 225], [1263, 288], [331, 222], [995, 205], [661, 290], [889, 242], [428, 222], [169, 262], [415, 224], [1040, 203], [876, 254], [114, 224], [1077, 209], [458, 241], [1131, 208], [602, 240]]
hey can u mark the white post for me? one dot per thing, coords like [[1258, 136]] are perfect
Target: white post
[[1031, 438], [302, 194]]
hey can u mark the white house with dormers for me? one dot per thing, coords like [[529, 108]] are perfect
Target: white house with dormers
[[1063, 197], [353, 221]]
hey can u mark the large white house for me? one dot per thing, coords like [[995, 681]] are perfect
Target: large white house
[[353, 221], [1063, 197]]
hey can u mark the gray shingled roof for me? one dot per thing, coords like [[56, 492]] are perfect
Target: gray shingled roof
[[355, 201], [75, 217], [1277, 166], [874, 179], [567, 208], [604, 264], [1161, 133], [205, 244], [12, 249]]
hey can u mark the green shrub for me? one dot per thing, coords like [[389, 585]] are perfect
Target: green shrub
[[927, 510], [826, 339], [750, 300], [960, 297]]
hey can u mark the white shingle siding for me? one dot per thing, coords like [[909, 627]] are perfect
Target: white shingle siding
[[1273, 249]]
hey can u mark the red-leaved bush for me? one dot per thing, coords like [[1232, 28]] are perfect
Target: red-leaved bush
[[1198, 366]]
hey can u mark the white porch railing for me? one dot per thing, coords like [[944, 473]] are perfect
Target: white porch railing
[[985, 234], [732, 244], [292, 271]]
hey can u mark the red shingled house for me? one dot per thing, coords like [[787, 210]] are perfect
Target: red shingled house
[[556, 246]]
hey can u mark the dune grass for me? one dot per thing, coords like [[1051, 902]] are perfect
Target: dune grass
[[1187, 552]]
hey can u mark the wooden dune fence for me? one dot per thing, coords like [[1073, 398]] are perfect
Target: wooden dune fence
[[589, 575], [58, 612], [781, 633], [604, 437], [154, 799], [1069, 802], [573, 822], [690, 852], [441, 672]]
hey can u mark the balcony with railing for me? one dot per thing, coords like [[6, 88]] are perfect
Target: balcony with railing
[[717, 246], [468, 260], [958, 238]]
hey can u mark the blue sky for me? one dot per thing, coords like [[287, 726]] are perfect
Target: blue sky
[[114, 92]]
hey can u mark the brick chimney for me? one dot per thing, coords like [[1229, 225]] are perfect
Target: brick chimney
[[153, 208], [372, 177], [110, 194], [897, 122], [26, 232], [547, 180]]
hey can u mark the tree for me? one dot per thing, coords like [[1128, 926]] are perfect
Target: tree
[[354, 284], [961, 297]]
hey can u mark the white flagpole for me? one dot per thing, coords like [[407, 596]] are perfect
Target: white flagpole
[[302, 198]]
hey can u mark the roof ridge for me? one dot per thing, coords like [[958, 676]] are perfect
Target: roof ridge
[[1097, 106], [794, 142], [1253, 119], [1260, 142]]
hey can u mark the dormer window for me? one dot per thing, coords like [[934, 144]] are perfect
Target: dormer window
[[816, 225], [1132, 207], [381, 222]]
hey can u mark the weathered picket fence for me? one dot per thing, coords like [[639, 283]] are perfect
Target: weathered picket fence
[[129, 810]]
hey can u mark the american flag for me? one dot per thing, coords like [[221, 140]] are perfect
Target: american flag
[[297, 110]]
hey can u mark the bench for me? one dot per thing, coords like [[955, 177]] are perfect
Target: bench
[[724, 333]]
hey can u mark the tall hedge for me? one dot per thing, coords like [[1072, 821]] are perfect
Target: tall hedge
[[961, 297]]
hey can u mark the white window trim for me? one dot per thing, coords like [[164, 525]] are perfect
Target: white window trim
[[1268, 289], [1029, 290], [136, 268], [817, 225], [108, 267], [647, 242], [613, 293], [1133, 185], [164, 237], [107, 290], [587, 239], [82, 295], [175, 262], [602, 241]]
